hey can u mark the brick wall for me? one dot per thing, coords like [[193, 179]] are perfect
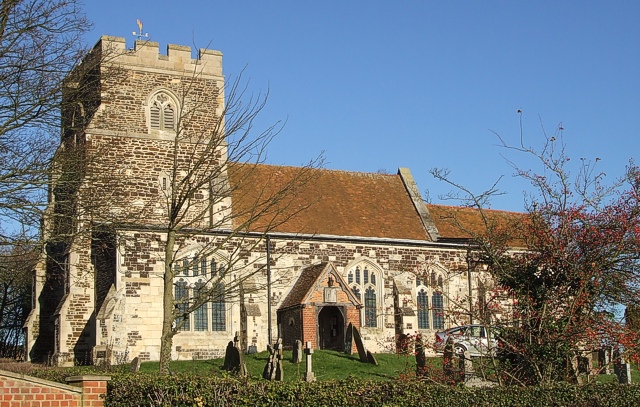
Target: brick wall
[[26, 391]]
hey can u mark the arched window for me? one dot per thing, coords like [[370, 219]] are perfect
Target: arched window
[[367, 284], [370, 316], [423, 310], [200, 315], [430, 284], [162, 112], [182, 304], [437, 304], [203, 267], [356, 291], [218, 312], [207, 290]]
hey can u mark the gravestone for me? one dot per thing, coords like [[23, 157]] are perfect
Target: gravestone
[[371, 359], [622, 371], [308, 374], [621, 368], [448, 365], [296, 355], [227, 356], [466, 366], [233, 360], [421, 358], [362, 352], [348, 341], [273, 369], [135, 365], [604, 360], [584, 365]]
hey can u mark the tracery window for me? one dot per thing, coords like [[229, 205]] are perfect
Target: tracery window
[[197, 279], [367, 287], [218, 309], [423, 310], [200, 315], [438, 310], [370, 305], [182, 304], [162, 112], [430, 284]]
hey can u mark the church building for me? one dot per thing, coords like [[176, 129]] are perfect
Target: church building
[[296, 253]]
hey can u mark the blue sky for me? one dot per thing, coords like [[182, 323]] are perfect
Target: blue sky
[[379, 85]]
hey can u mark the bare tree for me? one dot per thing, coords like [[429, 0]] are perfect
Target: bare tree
[[40, 42], [206, 153], [566, 265]]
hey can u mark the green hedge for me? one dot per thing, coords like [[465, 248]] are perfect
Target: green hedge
[[184, 390]]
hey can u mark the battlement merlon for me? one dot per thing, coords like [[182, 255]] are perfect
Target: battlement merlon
[[146, 56]]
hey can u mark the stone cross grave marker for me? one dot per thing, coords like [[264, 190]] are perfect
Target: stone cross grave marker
[[308, 375]]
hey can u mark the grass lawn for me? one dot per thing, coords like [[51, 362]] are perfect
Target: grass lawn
[[327, 365]]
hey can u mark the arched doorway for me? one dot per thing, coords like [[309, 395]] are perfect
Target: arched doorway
[[331, 328]]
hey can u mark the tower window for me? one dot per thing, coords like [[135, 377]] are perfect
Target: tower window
[[162, 113]]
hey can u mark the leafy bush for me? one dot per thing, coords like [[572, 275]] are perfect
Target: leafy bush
[[186, 390]]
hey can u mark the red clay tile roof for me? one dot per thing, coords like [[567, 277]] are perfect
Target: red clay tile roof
[[343, 203], [325, 202], [301, 288], [454, 222]]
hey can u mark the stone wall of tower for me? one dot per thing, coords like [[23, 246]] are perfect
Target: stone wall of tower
[[127, 159], [111, 170]]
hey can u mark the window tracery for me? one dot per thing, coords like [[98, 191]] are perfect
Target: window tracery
[[162, 112], [195, 278], [367, 288]]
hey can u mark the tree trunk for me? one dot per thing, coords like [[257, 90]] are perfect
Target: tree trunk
[[168, 305]]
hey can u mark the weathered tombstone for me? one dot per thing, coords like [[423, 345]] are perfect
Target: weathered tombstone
[[273, 369], [279, 371], [584, 365], [362, 353], [227, 356], [371, 359], [421, 358], [308, 375], [604, 360], [348, 341], [234, 360], [447, 361], [135, 365], [622, 370], [466, 366], [296, 355]]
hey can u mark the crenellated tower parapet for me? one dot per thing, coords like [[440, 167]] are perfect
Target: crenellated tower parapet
[[146, 55]]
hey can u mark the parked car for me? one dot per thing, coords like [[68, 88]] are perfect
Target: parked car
[[477, 339]]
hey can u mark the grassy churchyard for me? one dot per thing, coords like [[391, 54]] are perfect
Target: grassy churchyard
[[331, 365]]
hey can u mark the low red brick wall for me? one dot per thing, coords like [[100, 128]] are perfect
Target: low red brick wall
[[26, 391]]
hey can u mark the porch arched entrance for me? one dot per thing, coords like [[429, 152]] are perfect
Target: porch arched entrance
[[331, 328]]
